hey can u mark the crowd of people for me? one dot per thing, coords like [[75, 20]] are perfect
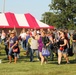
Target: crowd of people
[[59, 42]]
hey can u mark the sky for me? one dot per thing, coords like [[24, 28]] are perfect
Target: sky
[[34, 7]]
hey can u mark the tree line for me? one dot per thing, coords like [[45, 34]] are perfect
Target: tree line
[[62, 14]]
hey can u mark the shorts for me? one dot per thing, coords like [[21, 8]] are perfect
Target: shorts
[[11, 52], [65, 51]]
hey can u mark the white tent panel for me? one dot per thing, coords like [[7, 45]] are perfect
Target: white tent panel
[[3, 20], [41, 24], [21, 20]]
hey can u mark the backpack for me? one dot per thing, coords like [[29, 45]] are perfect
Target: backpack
[[70, 52]]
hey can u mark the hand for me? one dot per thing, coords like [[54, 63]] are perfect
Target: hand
[[60, 45], [47, 44], [10, 48], [74, 40]]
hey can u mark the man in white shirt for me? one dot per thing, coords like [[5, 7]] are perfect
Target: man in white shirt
[[23, 41]]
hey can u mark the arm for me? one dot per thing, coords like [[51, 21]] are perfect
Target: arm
[[65, 43], [15, 44]]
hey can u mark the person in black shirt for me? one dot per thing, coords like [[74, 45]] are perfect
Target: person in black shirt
[[62, 51]]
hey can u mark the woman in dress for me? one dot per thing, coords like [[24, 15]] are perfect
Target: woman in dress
[[42, 43]]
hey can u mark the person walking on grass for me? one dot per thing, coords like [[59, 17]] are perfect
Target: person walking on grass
[[43, 42], [13, 43], [62, 51], [32, 41], [23, 39]]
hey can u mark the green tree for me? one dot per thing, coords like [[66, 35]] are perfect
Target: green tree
[[48, 18], [64, 11]]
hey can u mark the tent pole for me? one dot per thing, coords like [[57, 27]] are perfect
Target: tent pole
[[4, 6]]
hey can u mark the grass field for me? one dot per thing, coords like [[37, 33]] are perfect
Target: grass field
[[24, 67]]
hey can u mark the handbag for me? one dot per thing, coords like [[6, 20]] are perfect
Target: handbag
[[61, 48], [45, 52], [15, 50]]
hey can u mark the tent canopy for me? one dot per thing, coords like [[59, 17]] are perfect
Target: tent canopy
[[11, 20]]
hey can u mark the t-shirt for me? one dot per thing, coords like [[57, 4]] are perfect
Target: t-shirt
[[12, 41], [34, 44], [3, 36], [23, 35]]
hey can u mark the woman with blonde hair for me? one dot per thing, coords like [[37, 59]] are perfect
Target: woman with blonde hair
[[13, 44]]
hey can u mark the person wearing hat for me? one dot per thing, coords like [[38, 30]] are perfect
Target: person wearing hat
[[13, 44]]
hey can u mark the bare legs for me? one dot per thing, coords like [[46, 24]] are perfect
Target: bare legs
[[60, 54], [59, 57], [15, 60], [10, 59], [66, 57], [42, 58]]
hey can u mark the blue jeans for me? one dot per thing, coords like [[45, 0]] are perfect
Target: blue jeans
[[23, 44], [32, 52], [11, 52]]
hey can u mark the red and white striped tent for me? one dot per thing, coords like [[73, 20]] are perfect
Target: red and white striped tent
[[11, 20]]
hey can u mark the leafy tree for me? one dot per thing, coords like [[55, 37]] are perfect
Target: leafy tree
[[64, 11], [48, 18]]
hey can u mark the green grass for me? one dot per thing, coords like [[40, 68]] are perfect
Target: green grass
[[24, 67]]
